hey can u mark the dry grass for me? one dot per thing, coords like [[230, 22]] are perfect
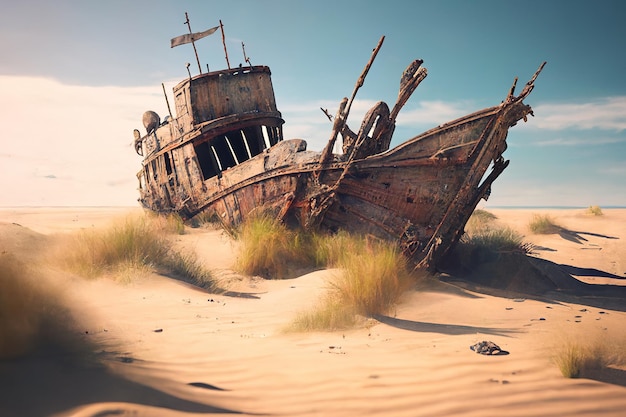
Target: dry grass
[[544, 224], [580, 358], [372, 273], [330, 250], [132, 242], [479, 221], [133, 245], [330, 315], [371, 277], [32, 311], [484, 240], [271, 250], [187, 268], [484, 232], [594, 211], [498, 239]]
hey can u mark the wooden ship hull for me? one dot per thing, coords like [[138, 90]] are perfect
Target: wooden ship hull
[[224, 155]]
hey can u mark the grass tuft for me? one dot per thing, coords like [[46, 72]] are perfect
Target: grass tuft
[[133, 244], [543, 224], [498, 239], [32, 311], [594, 210], [371, 277], [483, 233], [571, 360], [582, 358], [330, 315], [372, 274], [479, 221], [271, 250], [186, 267]]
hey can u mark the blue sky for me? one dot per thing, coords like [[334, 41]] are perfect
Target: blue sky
[[76, 76]]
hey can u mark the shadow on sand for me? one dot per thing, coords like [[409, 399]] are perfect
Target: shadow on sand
[[447, 329], [54, 381], [607, 375], [520, 275], [576, 237]]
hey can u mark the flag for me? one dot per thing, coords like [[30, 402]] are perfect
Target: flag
[[190, 37]]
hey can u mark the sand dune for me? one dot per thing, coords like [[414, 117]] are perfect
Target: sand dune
[[166, 348]]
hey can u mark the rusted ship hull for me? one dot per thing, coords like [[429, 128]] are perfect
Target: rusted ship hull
[[227, 159]]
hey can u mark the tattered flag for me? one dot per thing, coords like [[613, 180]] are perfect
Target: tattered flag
[[191, 37]]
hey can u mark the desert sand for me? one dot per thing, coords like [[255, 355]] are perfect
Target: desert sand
[[166, 348]]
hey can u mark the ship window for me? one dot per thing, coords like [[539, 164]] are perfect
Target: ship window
[[170, 168], [245, 143], [271, 135], [224, 153], [168, 165], [146, 174], [142, 180], [254, 140], [266, 137], [238, 146], [154, 168], [216, 159], [232, 152], [206, 159]]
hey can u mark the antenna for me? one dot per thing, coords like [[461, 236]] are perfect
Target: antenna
[[193, 43]]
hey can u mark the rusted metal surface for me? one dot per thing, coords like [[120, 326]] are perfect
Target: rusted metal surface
[[224, 154]]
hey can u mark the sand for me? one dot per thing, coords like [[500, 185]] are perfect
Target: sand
[[166, 348]]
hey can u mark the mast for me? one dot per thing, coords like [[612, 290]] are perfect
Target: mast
[[223, 43], [192, 41]]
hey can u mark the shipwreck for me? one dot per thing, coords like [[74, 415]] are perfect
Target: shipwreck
[[223, 154]]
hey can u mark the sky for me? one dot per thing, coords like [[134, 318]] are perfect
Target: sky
[[76, 77]]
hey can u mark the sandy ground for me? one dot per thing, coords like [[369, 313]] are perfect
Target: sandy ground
[[169, 349]]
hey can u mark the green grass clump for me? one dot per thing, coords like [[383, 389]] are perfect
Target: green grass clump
[[594, 210], [205, 219], [32, 311], [483, 232], [330, 249], [371, 277], [572, 359], [479, 221], [498, 239], [187, 268], [543, 224], [581, 358], [484, 239], [135, 243], [270, 249], [331, 314]]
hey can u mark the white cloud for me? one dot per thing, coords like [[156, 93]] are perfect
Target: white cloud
[[429, 114], [606, 114], [307, 121], [70, 145], [578, 141], [613, 170]]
